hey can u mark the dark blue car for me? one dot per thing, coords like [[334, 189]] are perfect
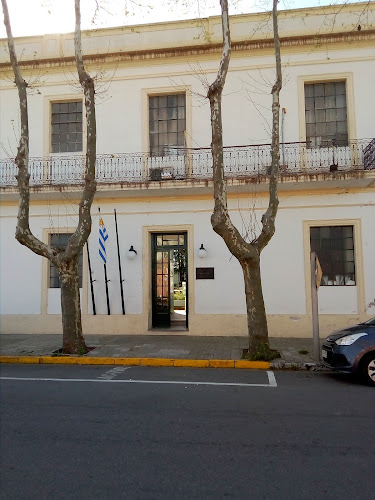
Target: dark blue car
[[352, 350]]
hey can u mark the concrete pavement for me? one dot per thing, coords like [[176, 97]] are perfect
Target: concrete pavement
[[294, 353]]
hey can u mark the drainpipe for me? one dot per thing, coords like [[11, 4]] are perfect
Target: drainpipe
[[283, 113]]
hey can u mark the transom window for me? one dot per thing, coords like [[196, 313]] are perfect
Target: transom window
[[167, 124], [334, 246], [170, 239], [60, 240], [326, 114], [66, 127]]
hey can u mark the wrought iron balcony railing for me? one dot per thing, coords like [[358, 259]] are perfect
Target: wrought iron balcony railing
[[195, 164]]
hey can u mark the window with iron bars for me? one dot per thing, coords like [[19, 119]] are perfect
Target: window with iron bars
[[167, 124], [326, 114], [60, 240], [334, 246], [66, 127]]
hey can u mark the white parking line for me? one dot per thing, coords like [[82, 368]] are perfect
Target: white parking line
[[271, 380], [114, 372]]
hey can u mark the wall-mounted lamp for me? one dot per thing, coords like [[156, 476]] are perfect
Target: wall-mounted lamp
[[202, 252], [132, 253]]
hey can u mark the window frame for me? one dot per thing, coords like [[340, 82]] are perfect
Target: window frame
[[167, 120], [51, 266], [358, 259], [58, 99], [161, 91], [327, 78], [52, 103], [329, 252], [326, 142], [46, 292]]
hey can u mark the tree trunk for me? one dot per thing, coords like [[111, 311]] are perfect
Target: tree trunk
[[73, 341], [247, 253], [65, 260], [256, 313]]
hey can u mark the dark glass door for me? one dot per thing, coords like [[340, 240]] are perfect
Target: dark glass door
[[169, 280], [162, 289]]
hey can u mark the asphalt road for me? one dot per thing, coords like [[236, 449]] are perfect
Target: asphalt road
[[77, 432]]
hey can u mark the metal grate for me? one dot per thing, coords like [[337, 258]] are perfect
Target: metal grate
[[66, 127], [60, 240], [167, 124], [334, 246], [326, 115]]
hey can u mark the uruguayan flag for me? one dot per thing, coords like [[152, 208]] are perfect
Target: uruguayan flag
[[103, 237]]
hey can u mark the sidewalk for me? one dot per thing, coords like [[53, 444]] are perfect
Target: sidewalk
[[161, 347]]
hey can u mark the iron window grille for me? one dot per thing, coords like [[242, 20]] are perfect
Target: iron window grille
[[334, 246], [60, 240], [167, 124], [66, 127], [326, 114]]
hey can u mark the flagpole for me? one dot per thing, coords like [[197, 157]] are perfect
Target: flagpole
[[106, 289], [104, 257], [119, 266], [91, 281]]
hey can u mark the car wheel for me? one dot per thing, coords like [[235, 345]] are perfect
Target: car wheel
[[368, 368]]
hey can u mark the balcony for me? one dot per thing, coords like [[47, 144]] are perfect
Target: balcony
[[247, 163]]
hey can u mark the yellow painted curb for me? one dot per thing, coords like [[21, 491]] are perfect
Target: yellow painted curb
[[221, 363], [34, 360], [259, 365], [192, 363], [9, 359], [95, 361], [156, 362], [128, 361], [58, 360]]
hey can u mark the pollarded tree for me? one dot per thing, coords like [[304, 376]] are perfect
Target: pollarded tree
[[247, 253], [65, 260]]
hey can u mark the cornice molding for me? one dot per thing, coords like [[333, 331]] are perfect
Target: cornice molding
[[158, 54]]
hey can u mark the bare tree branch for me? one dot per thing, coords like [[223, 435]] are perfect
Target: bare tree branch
[[64, 259], [268, 219], [23, 232], [247, 253], [79, 238], [220, 218]]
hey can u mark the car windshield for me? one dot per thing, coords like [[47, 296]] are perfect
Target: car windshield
[[370, 322]]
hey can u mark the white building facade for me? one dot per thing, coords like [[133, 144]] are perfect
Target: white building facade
[[154, 169]]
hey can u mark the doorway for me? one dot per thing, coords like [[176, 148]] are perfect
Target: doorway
[[169, 280]]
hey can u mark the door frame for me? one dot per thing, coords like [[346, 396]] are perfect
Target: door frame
[[147, 268], [155, 248]]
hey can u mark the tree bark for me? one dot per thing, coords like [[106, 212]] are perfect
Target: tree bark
[[256, 313], [70, 304], [65, 260], [247, 253]]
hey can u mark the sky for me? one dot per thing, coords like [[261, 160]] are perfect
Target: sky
[[37, 17]]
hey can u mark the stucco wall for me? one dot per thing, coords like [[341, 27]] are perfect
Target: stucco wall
[[122, 98], [216, 306], [284, 274]]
